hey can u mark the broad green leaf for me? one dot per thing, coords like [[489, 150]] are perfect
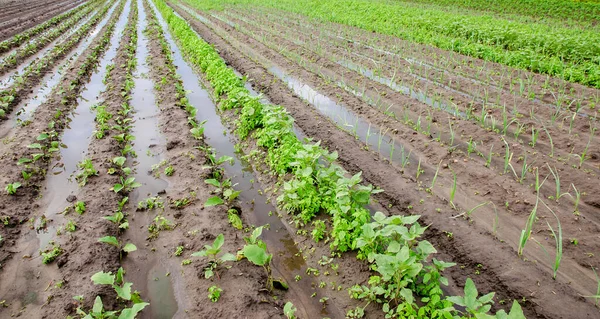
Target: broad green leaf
[[394, 247], [103, 278], [130, 313], [516, 312], [42, 137], [235, 221], [426, 248], [117, 188], [212, 182], [256, 254], [98, 306], [201, 253], [111, 240], [119, 276], [129, 247], [218, 241], [213, 201], [470, 294], [228, 257], [35, 145], [125, 291]]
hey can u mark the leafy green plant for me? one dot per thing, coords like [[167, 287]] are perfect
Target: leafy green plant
[[150, 203], [50, 254], [11, 189], [214, 293], [79, 207], [234, 219], [124, 292], [289, 310], [318, 232], [123, 248], [216, 259], [87, 170], [126, 185], [118, 219], [225, 189], [169, 170]]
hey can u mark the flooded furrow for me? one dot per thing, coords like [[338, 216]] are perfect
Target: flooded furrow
[[8, 79], [150, 146], [287, 260], [60, 190], [60, 180]]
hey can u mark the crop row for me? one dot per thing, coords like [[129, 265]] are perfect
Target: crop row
[[10, 96], [564, 53], [34, 46], [566, 10], [47, 142], [502, 163], [491, 117], [426, 58], [314, 183], [20, 38]]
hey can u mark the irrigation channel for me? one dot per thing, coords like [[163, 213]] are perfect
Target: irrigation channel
[[8, 79], [60, 189], [287, 260]]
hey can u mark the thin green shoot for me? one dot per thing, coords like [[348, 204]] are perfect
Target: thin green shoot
[[526, 233]]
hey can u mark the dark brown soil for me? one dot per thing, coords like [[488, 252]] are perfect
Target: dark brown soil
[[472, 244], [28, 14], [82, 255]]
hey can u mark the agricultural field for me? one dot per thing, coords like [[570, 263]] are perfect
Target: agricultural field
[[299, 159]]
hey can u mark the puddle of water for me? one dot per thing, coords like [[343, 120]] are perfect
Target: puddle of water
[[375, 137], [287, 262], [150, 274], [9, 78], [60, 182]]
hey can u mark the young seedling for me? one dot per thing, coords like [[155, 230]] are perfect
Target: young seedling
[[11, 189], [50, 254], [289, 310], [558, 242], [526, 233], [123, 249], [453, 191], [215, 260], [558, 194], [118, 219], [488, 161], [434, 177], [126, 185], [87, 170], [214, 293], [80, 207]]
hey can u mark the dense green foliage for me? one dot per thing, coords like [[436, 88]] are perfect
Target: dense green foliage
[[572, 54], [407, 282], [587, 11]]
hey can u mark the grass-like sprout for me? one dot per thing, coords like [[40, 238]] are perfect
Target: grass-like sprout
[[488, 161], [435, 176], [526, 233], [554, 172], [453, 191], [558, 242], [551, 143], [475, 208]]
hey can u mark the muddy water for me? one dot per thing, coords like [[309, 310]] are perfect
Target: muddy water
[[52, 78], [27, 278], [32, 39], [9, 78], [149, 275], [287, 261], [60, 181]]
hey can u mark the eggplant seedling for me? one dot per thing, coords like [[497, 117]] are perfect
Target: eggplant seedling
[[50, 254], [118, 219], [11, 189], [214, 293], [126, 185], [113, 241], [80, 207], [289, 310], [87, 170], [215, 258]]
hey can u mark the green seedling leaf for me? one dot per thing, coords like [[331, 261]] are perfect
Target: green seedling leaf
[[212, 182], [130, 313], [257, 255], [125, 291], [111, 240], [129, 247], [213, 201], [103, 278]]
